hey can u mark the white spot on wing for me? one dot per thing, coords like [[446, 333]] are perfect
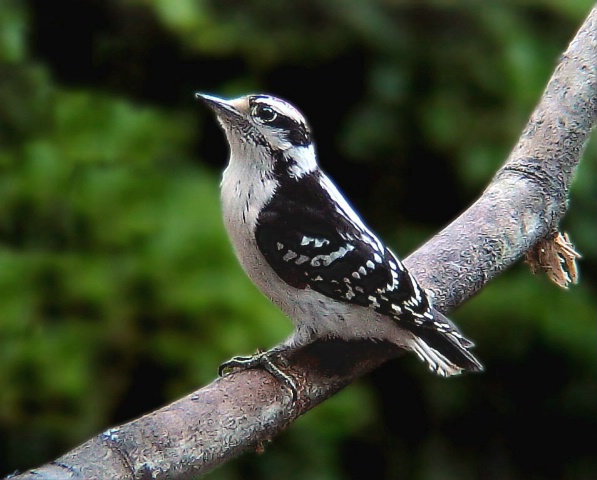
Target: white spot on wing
[[289, 256], [396, 308], [317, 242], [373, 301], [302, 259], [332, 257]]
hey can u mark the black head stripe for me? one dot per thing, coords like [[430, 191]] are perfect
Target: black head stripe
[[300, 136], [293, 127], [297, 133]]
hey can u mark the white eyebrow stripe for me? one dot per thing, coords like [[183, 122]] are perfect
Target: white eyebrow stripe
[[281, 107]]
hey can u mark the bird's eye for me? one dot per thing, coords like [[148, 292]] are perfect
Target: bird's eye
[[264, 114]]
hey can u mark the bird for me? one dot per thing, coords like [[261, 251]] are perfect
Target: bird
[[305, 247]]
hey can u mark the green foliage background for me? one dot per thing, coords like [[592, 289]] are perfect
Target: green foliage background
[[119, 291]]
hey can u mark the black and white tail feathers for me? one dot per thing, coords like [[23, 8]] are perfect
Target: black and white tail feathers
[[445, 352]]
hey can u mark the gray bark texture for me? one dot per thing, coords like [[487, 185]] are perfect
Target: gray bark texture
[[521, 207]]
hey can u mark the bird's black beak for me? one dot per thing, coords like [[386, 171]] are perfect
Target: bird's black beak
[[222, 108]]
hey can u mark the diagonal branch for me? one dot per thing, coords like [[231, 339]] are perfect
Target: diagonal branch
[[521, 207]]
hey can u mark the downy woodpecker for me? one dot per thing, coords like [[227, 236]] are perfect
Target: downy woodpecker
[[309, 252]]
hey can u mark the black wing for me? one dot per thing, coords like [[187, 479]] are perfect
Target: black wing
[[310, 239]]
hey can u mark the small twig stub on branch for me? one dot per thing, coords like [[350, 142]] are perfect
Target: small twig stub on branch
[[555, 255]]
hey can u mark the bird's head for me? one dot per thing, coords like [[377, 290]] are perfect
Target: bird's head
[[267, 129]]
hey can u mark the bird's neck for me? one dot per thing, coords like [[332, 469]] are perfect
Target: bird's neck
[[246, 187]]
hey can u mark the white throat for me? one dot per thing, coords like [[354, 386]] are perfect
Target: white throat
[[247, 185]]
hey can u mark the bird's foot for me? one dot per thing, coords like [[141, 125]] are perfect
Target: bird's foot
[[263, 360]]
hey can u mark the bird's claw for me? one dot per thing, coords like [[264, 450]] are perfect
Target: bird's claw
[[260, 360]]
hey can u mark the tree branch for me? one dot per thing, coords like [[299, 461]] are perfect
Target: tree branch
[[521, 206]]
